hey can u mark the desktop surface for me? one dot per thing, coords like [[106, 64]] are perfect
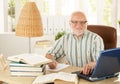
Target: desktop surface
[[6, 77]]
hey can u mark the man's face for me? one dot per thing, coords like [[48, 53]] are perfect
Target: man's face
[[78, 24]]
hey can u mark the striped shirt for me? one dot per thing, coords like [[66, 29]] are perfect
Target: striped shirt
[[78, 52]]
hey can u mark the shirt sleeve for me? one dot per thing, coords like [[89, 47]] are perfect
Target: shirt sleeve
[[57, 50], [98, 46]]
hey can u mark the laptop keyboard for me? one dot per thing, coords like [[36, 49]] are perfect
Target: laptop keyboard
[[80, 75]]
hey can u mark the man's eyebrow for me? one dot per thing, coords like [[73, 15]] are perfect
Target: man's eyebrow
[[79, 20]]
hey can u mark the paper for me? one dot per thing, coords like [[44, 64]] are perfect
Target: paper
[[58, 68]]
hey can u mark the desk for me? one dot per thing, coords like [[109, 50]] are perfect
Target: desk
[[5, 76]]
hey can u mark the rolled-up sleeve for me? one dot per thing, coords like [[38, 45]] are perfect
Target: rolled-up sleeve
[[57, 50]]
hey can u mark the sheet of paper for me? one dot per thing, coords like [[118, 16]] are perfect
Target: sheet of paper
[[58, 68]]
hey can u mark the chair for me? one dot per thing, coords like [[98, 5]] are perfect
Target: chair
[[109, 35], [1, 82]]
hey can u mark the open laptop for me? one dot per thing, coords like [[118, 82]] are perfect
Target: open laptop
[[108, 65]]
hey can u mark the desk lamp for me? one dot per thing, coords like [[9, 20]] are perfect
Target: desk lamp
[[29, 22]]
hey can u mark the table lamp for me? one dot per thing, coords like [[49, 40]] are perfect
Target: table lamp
[[29, 22]]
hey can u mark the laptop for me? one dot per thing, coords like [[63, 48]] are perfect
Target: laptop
[[107, 66]]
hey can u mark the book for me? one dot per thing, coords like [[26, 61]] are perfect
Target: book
[[26, 69], [21, 64], [29, 72], [61, 77], [26, 74], [31, 59]]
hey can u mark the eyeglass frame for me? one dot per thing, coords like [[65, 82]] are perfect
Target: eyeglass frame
[[76, 22]]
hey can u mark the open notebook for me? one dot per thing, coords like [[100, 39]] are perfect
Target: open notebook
[[108, 65]]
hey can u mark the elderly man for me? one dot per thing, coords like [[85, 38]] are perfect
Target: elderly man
[[81, 47]]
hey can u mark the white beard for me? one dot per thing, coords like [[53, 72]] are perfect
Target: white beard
[[78, 32]]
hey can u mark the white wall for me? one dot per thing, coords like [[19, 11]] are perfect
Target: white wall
[[13, 45]]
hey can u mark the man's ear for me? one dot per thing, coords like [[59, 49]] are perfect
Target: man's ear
[[69, 23]]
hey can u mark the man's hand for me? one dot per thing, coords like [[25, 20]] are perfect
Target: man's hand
[[52, 64], [88, 68]]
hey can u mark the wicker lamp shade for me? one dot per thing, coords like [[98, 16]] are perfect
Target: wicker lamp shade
[[30, 22]]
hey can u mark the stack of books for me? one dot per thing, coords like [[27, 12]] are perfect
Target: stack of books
[[23, 65], [22, 69]]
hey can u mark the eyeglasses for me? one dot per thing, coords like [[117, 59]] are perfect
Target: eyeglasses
[[76, 22]]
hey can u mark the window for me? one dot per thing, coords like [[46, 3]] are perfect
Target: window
[[1, 16], [14, 7], [11, 15], [103, 12]]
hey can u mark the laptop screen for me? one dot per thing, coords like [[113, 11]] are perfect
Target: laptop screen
[[108, 63]]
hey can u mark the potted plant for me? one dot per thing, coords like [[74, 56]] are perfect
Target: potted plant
[[119, 22], [59, 35]]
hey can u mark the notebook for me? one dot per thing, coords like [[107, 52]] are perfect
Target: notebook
[[108, 65]]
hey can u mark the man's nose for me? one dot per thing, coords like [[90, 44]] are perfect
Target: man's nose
[[78, 25]]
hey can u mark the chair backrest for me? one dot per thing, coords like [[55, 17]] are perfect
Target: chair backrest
[[109, 35]]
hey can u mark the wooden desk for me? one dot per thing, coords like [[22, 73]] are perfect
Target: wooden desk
[[5, 76]]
